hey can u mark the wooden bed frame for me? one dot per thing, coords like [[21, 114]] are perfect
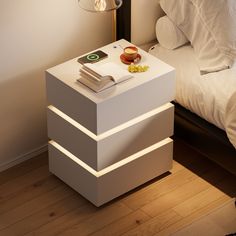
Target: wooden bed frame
[[198, 133]]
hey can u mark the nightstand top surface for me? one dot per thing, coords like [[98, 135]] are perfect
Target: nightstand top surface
[[68, 72]]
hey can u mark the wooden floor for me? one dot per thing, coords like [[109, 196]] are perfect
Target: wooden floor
[[34, 202]]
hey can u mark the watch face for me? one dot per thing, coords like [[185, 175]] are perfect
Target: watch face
[[92, 57]]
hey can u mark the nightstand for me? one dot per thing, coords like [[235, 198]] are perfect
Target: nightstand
[[105, 144]]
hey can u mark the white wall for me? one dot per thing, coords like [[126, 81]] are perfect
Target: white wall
[[36, 35], [144, 15]]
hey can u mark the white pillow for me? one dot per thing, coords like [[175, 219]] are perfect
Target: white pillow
[[168, 34], [210, 26]]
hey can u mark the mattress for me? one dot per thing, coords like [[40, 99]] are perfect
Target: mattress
[[211, 96]]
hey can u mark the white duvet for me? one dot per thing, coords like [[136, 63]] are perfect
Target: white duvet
[[211, 96]]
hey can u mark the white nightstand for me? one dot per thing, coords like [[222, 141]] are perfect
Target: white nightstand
[[105, 144]]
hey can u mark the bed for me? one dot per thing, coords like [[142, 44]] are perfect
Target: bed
[[205, 104]]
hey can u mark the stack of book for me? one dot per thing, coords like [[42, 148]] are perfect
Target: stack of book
[[100, 77]]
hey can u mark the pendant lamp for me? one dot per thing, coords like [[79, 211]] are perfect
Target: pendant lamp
[[103, 6]]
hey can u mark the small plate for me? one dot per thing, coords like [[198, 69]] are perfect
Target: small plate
[[128, 62]]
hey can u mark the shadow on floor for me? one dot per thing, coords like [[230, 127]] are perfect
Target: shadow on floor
[[204, 168]]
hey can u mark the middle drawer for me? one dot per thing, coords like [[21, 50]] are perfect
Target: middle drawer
[[101, 151]]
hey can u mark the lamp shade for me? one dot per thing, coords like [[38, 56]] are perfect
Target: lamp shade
[[100, 5]]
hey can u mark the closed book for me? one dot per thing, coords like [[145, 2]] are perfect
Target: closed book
[[96, 86], [100, 77]]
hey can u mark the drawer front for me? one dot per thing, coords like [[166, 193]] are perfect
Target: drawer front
[[106, 149], [99, 117], [135, 102], [103, 186]]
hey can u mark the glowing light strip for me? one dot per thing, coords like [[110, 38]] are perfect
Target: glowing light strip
[[74, 158], [113, 130], [113, 166], [73, 122]]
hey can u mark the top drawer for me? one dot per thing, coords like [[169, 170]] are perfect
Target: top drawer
[[107, 114]]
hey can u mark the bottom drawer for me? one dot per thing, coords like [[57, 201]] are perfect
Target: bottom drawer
[[102, 186]]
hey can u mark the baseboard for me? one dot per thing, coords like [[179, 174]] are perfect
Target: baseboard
[[33, 153]]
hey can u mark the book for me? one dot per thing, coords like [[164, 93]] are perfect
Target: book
[[100, 77]]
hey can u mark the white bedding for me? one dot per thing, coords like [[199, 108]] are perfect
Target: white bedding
[[211, 96]]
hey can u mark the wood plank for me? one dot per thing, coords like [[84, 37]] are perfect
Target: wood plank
[[33, 206], [198, 201], [23, 168], [169, 221], [221, 221], [225, 217], [10, 188], [175, 197], [155, 224], [44, 216], [123, 225], [30, 192], [57, 226], [191, 218], [101, 218], [178, 195]]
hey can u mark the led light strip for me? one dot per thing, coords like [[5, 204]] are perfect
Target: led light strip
[[113, 166], [111, 131]]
